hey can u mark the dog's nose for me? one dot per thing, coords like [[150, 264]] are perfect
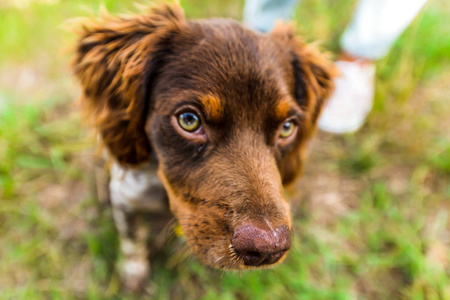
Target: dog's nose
[[257, 246]]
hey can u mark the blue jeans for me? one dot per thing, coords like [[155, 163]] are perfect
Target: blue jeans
[[375, 26]]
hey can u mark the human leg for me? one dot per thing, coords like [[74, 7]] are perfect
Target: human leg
[[376, 26], [261, 15], [370, 35]]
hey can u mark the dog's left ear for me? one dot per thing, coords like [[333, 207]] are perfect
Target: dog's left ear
[[313, 75]]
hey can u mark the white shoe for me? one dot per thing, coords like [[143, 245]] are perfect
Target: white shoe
[[352, 100]]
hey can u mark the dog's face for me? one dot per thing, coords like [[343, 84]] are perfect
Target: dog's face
[[228, 113]]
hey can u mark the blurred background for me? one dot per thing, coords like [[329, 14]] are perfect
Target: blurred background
[[371, 213]]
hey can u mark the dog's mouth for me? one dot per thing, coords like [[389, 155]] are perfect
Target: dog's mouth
[[255, 259], [233, 260]]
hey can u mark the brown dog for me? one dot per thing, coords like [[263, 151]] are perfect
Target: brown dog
[[222, 114]]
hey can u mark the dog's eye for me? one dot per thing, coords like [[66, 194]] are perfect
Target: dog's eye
[[189, 121], [287, 129]]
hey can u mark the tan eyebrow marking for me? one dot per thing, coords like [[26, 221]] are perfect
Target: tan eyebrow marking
[[282, 109], [212, 106]]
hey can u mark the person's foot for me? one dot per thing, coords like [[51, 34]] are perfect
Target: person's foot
[[352, 100]]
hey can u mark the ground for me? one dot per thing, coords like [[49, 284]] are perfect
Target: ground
[[371, 212]]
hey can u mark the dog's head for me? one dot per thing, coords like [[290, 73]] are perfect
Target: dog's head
[[227, 111]]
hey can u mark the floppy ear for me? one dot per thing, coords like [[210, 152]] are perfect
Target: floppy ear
[[313, 77], [116, 60]]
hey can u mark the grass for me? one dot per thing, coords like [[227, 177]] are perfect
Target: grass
[[371, 215]]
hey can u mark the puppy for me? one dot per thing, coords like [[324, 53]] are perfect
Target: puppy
[[213, 116]]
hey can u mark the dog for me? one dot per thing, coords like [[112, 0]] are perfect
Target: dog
[[211, 115]]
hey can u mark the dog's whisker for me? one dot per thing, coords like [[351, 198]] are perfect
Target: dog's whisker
[[219, 259]]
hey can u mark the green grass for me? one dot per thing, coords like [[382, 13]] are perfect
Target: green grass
[[371, 218]]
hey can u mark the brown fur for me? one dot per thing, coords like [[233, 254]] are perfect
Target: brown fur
[[213, 107], [138, 72]]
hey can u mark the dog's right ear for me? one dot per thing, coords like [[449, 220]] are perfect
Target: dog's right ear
[[116, 60], [313, 75]]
